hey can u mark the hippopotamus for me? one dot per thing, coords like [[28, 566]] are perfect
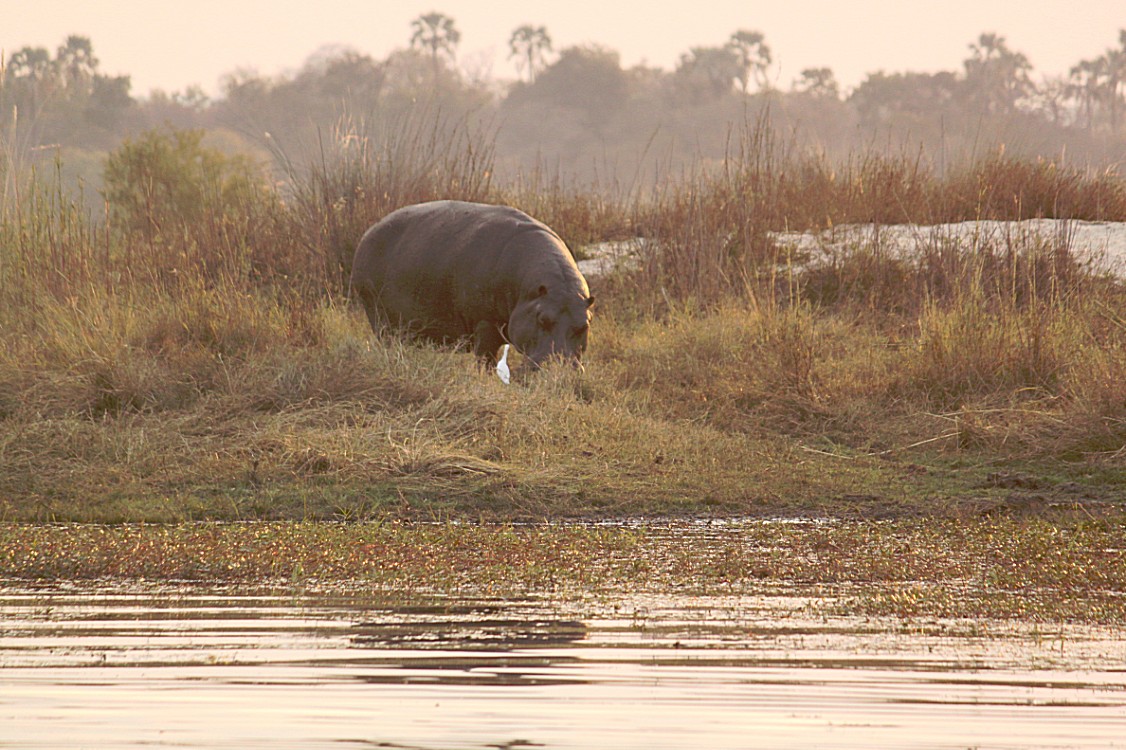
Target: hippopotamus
[[450, 270]]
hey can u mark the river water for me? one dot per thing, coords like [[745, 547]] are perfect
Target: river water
[[203, 666], [1100, 243]]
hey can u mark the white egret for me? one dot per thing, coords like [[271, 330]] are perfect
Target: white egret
[[502, 366]]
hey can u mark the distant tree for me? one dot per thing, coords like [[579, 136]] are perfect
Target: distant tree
[[244, 87], [76, 64], [109, 100], [344, 75], [1051, 99], [30, 79], [408, 72], [996, 77], [819, 82], [709, 72], [1097, 86], [437, 34], [588, 81], [193, 97], [179, 109], [62, 99], [1116, 79], [30, 64], [528, 44], [1086, 86], [904, 98], [754, 57], [409, 76]]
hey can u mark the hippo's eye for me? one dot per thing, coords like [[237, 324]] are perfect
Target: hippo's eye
[[546, 323]]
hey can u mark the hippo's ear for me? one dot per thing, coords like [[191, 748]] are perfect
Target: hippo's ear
[[590, 300]]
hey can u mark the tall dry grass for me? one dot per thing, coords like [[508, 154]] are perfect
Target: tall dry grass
[[710, 230], [362, 174], [1010, 337]]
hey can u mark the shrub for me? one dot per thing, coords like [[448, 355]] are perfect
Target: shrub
[[167, 184]]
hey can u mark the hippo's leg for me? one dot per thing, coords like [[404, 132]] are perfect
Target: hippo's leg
[[367, 297], [487, 340]]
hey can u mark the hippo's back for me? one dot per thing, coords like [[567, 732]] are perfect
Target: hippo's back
[[439, 233], [440, 268]]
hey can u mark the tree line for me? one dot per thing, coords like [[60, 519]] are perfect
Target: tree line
[[578, 110]]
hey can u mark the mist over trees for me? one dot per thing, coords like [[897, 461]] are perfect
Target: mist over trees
[[62, 98], [576, 112]]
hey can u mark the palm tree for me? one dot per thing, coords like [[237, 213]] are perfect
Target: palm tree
[[1115, 77], [1087, 82], [528, 45], [996, 75], [31, 64], [1096, 84], [754, 56], [31, 77], [76, 63], [437, 33]]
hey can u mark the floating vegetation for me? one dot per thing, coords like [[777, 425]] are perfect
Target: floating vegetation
[[1029, 569]]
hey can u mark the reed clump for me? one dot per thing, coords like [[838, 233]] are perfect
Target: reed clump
[[362, 174], [192, 353]]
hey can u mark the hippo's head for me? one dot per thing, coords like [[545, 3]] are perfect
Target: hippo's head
[[550, 324]]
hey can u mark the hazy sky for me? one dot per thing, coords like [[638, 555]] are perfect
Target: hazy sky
[[172, 45]]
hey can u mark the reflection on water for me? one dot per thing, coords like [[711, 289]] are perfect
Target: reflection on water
[[195, 666]]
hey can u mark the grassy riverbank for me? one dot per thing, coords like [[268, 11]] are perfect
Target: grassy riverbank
[[693, 415], [192, 355]]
